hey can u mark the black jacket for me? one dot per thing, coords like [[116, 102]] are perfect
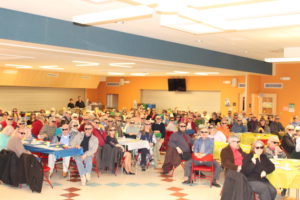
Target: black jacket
[[236, 187], [9, 172], [253, 171], [288, 144], [31, 172], [110, 157]]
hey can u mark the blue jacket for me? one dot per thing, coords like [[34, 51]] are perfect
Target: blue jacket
[[238, 128], [209, 145]]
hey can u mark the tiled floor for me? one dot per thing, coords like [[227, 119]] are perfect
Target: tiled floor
[[149, 185]]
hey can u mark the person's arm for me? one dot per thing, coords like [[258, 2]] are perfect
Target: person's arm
[[248, 166], [163, 131], [173, 141], [298, 144], [281, 128], [269, 167], [226, 161]]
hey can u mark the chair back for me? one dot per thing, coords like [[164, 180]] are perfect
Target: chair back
[[207, 158]]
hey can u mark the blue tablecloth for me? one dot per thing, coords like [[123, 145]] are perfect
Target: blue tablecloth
[[58, 153]]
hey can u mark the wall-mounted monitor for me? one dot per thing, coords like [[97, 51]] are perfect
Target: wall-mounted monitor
[[176, 84]]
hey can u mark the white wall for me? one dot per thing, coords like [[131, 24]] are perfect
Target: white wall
[[35, 98], [189, 100]]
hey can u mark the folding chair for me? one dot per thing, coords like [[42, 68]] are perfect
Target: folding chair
[[202, 168]]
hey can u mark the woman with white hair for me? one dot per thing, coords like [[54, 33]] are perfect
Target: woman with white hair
[[5, 135], [22, 125], [74, 126]]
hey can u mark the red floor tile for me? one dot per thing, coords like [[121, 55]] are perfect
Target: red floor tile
[[75, 175], [179, 194], [69, 195], [182, 199], [167, 180], [176, 189], [72, 189], [75, 179]]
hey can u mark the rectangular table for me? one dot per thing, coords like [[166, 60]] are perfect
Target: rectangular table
[[59, 152], [133, 144]]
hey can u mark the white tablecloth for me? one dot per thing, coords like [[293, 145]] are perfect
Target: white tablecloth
[[133, 144]]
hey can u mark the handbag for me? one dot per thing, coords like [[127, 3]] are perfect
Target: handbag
[[186, 156]]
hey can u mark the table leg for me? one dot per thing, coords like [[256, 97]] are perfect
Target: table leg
[[297, 194]]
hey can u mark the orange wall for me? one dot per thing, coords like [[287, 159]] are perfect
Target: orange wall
[[132, 91]]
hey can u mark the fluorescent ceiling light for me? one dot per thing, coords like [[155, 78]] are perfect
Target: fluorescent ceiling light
[[115, 73], [206, 73], [182, 24], [124, 65], [145, 2], [10, 71], [19, 66], [170, 6], [139, 74], [181, 72], [51, 67], [11, 56], [275, 60], [85, 63], [114, 15], [99, 1]]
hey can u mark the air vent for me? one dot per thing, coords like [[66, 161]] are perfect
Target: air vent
[[241, 85], [52, 74], [113, 84], [84, 77], [273, 85]]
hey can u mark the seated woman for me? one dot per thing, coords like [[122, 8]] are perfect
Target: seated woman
[[147, 134], [5, 135], [217, 135], [48, 130], [256, 166], [65, 138], [22, 125], [113, 142], [15, 143], [172, 125], [262, 127]]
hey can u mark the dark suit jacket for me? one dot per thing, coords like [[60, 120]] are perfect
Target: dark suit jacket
[[288, 144], [227, 158]]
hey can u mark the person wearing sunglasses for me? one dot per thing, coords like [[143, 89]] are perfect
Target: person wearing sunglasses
[[252, 124], [22, 126], [232, 155], [190, 126], [214, 120], [256, 166], [288, 140], [217, 135], [262, 127], [89, 143], [179, 148], [159, 130], [273, 149], [15, 143], [224, 127], [64, 139], [203, 146], [48, 130], [238, 126], [132, 130], [8, 121]]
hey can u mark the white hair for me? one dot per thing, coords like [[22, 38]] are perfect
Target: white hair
[[232, 138]]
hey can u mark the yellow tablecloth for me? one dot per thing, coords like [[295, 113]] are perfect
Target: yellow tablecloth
[[218, 146], [249, 138], [286, 174]]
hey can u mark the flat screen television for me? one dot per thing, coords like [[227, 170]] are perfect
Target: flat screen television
[[176, 84]]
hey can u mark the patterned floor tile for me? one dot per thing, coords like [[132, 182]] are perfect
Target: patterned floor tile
[[179, 194], [93, 184], [72, 189], [75, 175], [133, 184], [113, 184], [75, 180], [69, 195], [167, 180], [152, 184], [55, 184], [176, 189], [182, 199]]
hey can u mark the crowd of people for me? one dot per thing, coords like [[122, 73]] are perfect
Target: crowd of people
[[180, 133]]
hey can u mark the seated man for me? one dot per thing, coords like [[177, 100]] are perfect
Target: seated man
[[48, 130], [64, 139], [202, 147], [232, 155], [238, 126], [178, 148], [288, 142], [132, 130], [89, 143]]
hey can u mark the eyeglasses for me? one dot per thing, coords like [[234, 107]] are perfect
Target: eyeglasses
[[259, 147], [10, 119], [182, 126], [203, 131], [85, 119], [110, 121], [275, 142], [224, 123], [131, 122], [290, 129], [75, 125], [210, 127], [88, 129], [22, 133], [97, 122], [53, 121], [64, 129], [112, 130], [237, 141], [22, 123], [147, 124]]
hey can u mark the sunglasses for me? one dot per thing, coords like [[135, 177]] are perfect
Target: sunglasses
[[10, 119], [97, 122], [275, 142], [291, 129], [110, 121], [260, 147], [75, 125], [210, 127], [22, 133], [64, 129], [182, 126], [21, 123], [112, 130], [53, 121], [203, 132], [131, 122], [237, 141], [224, 123], [87, 129], [147, 124]]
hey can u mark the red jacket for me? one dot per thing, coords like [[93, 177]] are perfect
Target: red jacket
[[4, 124], [101, 135], [36, 126]]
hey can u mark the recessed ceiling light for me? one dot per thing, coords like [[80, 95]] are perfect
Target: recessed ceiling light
[[51, 67], [19, 66], [139, 74], [181, 72], [115, 73], [206, 73], [124, 65], [85, 63]]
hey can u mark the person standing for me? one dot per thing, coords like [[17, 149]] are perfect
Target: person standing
[[71, 104], [80, 103]]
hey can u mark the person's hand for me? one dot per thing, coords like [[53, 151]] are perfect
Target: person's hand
[[200, 155], [77, 146], [239, 168], [156, 131], [179, 150], [151, 144], [253, 160], [263, 174], [277, 149], [83, 156]]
